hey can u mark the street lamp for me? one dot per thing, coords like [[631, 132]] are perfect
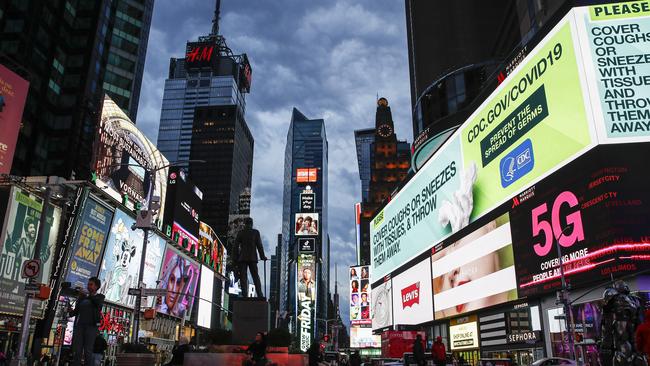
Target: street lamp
[[145, 228], [563, 296]]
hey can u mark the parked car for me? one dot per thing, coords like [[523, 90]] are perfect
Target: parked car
[[554, 361]]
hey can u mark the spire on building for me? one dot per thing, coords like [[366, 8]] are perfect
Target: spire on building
[[215, 20]]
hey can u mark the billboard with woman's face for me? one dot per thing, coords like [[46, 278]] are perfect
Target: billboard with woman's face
[[179, 276], [306, 224]]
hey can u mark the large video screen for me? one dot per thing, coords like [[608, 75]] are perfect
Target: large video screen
[[307, 224], [204, 318], [412, 297], [18, 240], [360, 297], [180, 277], [597, 209], [306, 300], [382, 305], [363, 338], [93, 226], [184, 202], [121, 265], [474, 272], [152, 263]]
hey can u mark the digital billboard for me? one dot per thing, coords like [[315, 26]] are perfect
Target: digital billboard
[[360, 301], [211, 251], [613, 38], [597, 209], [93, 226], [201, 54], [183, 205], [474, 272], [121, 265], [501, 148], [124, 159], [307, 224], [18, 240], [306, 299], [152, 263], [382, 306], [463, 333], [204, 318], [363, 338], [179, 276], [13, 93], [412, 296], [306, 175]]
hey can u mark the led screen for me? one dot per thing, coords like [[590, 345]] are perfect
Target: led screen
[[179, 276], [475, 271], [360, 297], [307, 224], [204, 318], [412, 297]]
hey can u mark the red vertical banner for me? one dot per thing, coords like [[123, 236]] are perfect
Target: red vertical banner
[[13, 93]]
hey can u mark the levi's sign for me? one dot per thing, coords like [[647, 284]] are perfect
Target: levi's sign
[[411, 295]]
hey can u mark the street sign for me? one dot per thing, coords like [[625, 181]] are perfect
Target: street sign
[[32, 288], [154, 292], [31, 268], [134, 291]]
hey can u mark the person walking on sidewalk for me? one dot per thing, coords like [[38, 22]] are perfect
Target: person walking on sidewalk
[[87, 313], [439, 352], [418, 350]]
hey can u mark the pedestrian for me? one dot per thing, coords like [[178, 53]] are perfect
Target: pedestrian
[[355, 359], [418, 350], [87, 313], [248, 243], [178, 352], [642, 335], [99, 348], [44, 360], [439, 352], [315, 354], [257, 351]]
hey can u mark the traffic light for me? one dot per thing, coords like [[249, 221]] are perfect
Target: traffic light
[[326, 338]]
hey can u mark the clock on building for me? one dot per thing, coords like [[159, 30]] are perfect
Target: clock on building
[[385, 130]]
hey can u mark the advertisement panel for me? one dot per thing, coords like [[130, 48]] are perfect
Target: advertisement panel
[[152, 264], [363, 338], [463, 333], [212, 252], [121, 265], [124, 158], [307, 224], [412, 296], [360, 297], [307, 202], [306, 175], [382, 306], [201, 54], [204, 318], [183, 205], [307, 245], [18, 241], [500, 149], [596, 210], [13, 93], [306, 299], [613, 38], [93, 225], [474, 272], [179, 276]]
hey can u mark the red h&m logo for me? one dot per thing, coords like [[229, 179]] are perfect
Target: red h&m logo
[[199, 53], [411, 295]]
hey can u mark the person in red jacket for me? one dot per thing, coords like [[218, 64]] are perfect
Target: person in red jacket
[[642, 335], [439, 352]]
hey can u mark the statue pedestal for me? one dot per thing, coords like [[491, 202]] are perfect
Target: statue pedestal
[[249, 317]]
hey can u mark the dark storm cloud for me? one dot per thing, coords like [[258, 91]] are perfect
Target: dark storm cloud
[[328, 58]]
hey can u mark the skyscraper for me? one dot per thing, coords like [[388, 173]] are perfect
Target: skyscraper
[[202, 118], [71, 52], [274, 287], [384, 161], [305, 177]]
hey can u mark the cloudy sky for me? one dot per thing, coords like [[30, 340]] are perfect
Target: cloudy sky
[[328, 58]]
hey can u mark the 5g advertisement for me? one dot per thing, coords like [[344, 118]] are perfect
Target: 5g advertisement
[[597, 209]]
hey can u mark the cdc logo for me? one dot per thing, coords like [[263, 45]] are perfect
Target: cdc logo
[[517, 163]]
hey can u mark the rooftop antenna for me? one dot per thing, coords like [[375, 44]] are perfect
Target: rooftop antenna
[[215, 20]]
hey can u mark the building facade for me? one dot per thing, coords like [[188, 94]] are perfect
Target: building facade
[[305, 172], [71, 53], [202, 118]]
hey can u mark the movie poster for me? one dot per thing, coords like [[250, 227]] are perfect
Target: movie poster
[[121, 264], [18, 240], [93, 226], [179, 276]]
